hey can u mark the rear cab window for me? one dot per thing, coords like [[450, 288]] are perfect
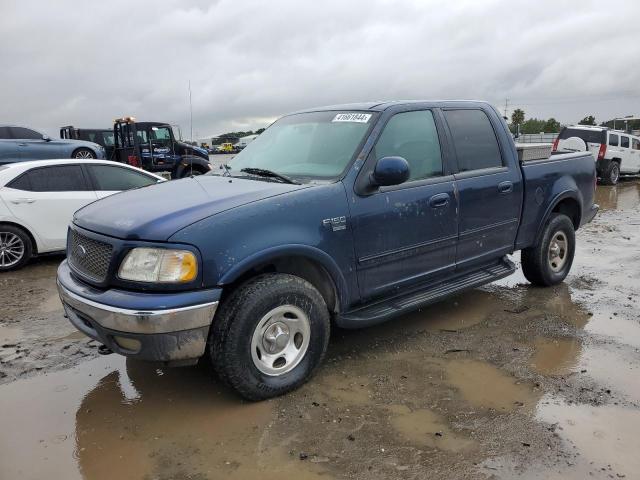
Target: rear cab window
[[474, 140], [613, 139]]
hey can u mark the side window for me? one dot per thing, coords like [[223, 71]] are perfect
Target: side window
[[59, 178], [20, 183], [624, 142], [635, 144], [20, 133], [474, 139], [4, 133], [412, 136], [613, 140], [110, 178]]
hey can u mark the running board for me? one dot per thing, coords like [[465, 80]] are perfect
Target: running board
[[383, 310]]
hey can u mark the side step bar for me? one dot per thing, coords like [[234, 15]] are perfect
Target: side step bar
[[382, 310]]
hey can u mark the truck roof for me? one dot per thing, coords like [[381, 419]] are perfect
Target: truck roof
[[383, 105]]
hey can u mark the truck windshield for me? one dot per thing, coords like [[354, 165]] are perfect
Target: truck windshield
[[588, 135], [306, 146]]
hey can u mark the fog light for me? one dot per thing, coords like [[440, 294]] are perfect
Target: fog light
[[130, 344]]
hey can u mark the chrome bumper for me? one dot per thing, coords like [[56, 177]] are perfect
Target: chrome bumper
[[146, 322]]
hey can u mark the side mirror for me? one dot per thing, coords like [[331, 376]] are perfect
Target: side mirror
[[390, 171], [46, 138]]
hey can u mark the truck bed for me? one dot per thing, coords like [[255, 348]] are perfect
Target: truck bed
[[562, 176]]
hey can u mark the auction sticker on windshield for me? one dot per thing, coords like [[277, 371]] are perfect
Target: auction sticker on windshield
[[352, 117]]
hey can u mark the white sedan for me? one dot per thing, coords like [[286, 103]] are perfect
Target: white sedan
[[38, 200]]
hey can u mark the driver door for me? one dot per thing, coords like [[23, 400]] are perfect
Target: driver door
[[406, 234]]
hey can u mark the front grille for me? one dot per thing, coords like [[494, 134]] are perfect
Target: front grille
[[88, 256]]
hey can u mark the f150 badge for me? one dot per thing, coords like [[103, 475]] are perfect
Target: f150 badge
[[336, 223]]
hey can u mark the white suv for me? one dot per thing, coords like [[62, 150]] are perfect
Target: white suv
[[616, 152]]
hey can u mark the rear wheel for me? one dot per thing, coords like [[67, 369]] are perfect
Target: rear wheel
[[611, 174], [15, 248], [549, 262], [269, 336], [83, 153]]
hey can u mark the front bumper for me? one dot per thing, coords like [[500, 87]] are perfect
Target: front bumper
[[163, 327]]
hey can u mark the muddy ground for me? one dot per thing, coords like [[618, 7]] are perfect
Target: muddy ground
[[500, 382]]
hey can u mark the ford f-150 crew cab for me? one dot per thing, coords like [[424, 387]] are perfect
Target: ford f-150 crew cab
[[347, 215]]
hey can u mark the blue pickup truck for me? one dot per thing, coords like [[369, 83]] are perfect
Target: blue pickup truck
[[347, 215]]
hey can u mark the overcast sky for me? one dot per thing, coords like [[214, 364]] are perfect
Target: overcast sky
[[87, 62]]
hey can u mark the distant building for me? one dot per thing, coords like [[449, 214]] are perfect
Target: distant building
[[244, 141]]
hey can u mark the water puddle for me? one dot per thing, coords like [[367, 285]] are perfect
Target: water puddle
[[624, 196], [426, 428], [110, 418], [556, 356], [606, 437], [485, 386]]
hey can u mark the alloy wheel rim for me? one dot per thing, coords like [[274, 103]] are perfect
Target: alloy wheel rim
[[11, 249], [84, 154], [558, 251], [615, 173], [280, 340]]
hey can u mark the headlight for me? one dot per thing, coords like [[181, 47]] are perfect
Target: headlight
[[159, 265]]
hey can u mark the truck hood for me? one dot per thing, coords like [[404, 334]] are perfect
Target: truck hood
[[156, 212]]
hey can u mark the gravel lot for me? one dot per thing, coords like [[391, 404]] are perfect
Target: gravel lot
[[500, 382]]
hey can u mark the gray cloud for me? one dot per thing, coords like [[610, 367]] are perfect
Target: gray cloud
[[86, 63]]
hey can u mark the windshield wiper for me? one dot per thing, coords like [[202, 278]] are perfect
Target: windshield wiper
[[261, 172]]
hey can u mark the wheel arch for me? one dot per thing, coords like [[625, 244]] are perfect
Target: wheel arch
[[191, 161], [311, 264], [32, 238], [566, 203], [83, 147]]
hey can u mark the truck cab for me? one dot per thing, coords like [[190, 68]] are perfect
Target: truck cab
[[153, 146]]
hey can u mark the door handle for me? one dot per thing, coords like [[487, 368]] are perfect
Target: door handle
[[440, 200], [18, 201], [22, 145], [505, 187]]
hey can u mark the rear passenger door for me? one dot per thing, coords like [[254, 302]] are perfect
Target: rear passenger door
[[45, 199], [490, 193]]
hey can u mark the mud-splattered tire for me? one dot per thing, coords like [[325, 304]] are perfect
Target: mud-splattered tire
[[269, 315], [15, 248], [549, 262], [611, 174]]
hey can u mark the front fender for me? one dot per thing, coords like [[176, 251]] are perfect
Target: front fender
[[291, 250], [189, 161]]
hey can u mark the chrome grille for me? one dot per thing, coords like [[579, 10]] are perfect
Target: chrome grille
[[88, 256]]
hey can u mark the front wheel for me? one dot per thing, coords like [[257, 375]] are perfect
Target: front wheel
[[84, 153], [548, 263], [269, 336]]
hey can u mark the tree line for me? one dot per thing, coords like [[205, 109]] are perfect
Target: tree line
[[551, 125]]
